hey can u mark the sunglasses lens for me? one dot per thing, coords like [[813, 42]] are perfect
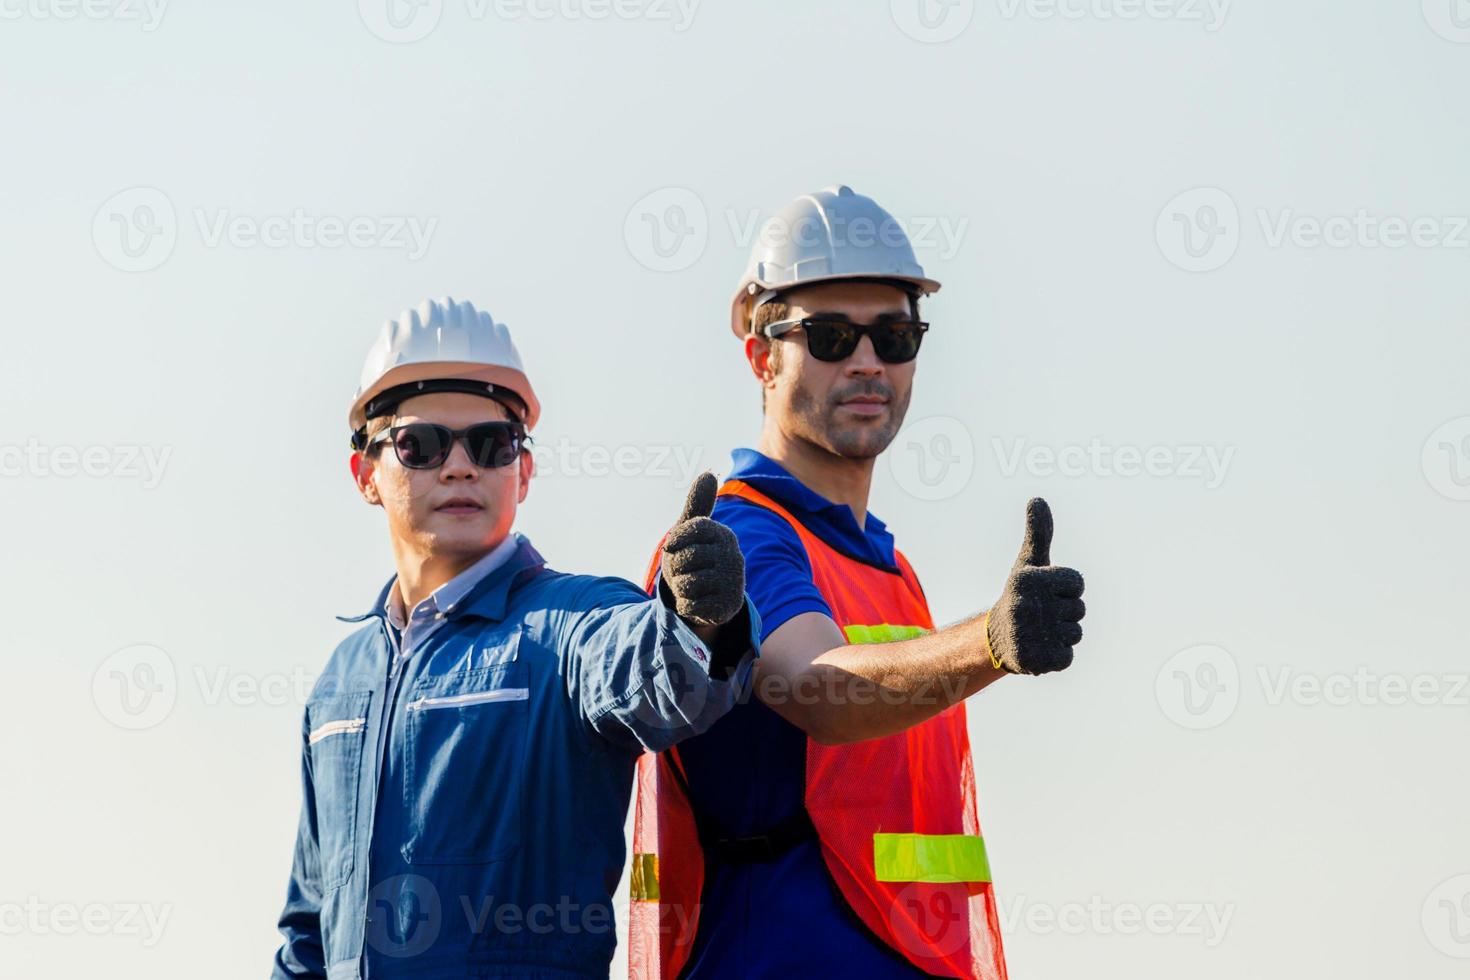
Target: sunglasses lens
[[494, 444], [831, 340], [897, 343], [422, 445]]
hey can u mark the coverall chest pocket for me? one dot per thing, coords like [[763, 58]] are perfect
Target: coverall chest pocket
[[337, 728], [465, 763]]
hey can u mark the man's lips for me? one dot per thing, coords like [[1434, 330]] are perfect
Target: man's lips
[[864, 404], [459, 505]]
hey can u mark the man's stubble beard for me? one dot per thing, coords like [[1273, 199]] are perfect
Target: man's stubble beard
[[819, 425]]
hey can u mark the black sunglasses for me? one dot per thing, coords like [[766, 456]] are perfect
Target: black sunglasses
[[425, 445], [894, 341]]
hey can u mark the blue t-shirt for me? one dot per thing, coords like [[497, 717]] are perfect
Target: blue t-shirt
[[781, 918]]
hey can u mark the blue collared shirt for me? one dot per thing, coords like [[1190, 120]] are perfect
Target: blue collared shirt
[[430, 613], [464, 804]]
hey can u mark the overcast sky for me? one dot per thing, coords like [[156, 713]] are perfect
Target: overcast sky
[[1206, 271]]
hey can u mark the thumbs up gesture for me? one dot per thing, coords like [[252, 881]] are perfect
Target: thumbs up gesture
[[1037, 620], [703, 577]]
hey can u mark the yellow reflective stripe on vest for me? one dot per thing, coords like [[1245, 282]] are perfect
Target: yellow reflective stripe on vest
[[644, 878], [934, 858], [882, 633]]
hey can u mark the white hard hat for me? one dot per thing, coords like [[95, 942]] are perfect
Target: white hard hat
[[835, 233], [442, 346]]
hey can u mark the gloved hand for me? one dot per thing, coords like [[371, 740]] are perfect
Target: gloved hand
[[1036, 622], [703, 576]]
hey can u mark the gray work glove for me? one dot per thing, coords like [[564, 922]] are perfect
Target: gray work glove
[[703, 576], [1036, 622]]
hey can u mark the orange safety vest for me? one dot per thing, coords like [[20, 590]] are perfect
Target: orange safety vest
[[895, 816]]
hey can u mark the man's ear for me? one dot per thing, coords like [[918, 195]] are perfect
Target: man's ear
[[527, 463], [758, 353], [362, 475]]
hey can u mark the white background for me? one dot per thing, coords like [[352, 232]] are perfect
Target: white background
[[1070, 150]]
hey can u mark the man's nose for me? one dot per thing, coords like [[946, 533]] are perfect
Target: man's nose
[[864, 361], [459, 466]]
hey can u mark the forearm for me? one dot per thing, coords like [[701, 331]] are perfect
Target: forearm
[[860, 691], [644, 678]]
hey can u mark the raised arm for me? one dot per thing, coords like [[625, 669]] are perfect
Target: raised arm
[[648, 672], [840, 692]]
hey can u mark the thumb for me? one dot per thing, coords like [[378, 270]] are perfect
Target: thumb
[[1036, 548], [701, 500]]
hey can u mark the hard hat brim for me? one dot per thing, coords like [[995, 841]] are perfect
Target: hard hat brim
[[504, 377], [741, 304]]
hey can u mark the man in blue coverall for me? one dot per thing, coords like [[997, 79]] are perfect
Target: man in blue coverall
[[467, 755]]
